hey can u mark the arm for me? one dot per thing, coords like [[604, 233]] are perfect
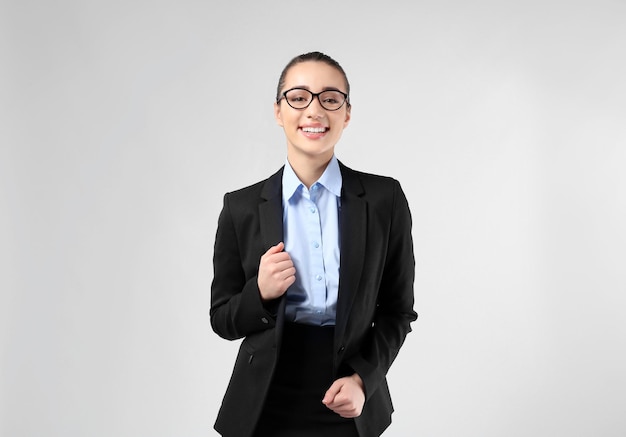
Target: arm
[[394, 311], [237, 307]]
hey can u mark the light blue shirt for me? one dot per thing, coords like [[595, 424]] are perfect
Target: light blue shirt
[[311, 237]]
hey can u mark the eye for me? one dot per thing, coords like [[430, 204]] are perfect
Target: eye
[[298, 96], [332, 98]]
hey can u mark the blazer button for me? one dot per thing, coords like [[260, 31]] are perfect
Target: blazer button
[[341, 349], [264, 320]]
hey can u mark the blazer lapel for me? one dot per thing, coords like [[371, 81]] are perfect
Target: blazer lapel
[[353, 228], [271, 223], [271, 211]]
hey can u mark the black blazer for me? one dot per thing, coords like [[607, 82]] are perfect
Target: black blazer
[[375, 299]]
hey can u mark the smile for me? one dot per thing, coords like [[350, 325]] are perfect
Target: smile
[[314, 130]]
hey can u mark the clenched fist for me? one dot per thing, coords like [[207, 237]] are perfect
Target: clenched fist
[[276, 272], [346, 396]]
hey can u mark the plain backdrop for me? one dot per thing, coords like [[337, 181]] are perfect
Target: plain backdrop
[[123, 123]]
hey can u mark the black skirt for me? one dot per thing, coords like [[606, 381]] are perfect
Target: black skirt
[[303, 374]]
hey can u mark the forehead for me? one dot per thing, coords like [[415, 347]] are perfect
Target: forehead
[[314, 75]]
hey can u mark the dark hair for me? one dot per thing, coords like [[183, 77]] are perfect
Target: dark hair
[[314, 57]]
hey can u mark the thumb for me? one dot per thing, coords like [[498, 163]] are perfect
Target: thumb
[[330, 394], [276, 249]]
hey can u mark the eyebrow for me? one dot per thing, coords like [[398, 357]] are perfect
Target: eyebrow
[[306, 87]]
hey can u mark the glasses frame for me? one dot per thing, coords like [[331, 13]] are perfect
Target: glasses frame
[[313, 96]]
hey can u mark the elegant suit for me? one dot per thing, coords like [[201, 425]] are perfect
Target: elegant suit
[[375, 300]]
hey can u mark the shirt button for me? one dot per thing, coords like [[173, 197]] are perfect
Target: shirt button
[[312, 210], [316, 244], [318, 277], [264, 320]]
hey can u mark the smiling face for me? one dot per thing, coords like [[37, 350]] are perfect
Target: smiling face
[[313, 132]]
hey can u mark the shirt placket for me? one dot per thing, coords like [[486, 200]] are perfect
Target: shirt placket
[[317, 278]]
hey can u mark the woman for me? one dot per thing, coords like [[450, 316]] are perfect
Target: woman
[[314, 269]]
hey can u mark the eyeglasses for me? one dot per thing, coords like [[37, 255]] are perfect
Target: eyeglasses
[[300, 98]]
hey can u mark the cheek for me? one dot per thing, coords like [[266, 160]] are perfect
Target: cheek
[[341, 121], [291, 120]]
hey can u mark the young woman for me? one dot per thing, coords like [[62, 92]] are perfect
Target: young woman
[[314, 269]]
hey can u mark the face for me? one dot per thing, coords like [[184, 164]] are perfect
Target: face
[[312, 132]]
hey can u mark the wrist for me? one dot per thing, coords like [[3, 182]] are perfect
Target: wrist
[[358, 380]]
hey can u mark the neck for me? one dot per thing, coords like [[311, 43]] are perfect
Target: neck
[[308, 170]]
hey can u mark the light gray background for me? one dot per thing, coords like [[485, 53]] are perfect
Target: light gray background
[[122, 124]]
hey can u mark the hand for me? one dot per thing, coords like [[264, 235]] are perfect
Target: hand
[[276, 272], [346, 396]]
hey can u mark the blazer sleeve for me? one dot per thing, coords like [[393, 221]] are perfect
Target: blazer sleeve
[[394, 310], [236, 307]]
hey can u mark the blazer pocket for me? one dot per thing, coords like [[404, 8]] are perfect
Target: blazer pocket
[[250, 352], [257, 345]]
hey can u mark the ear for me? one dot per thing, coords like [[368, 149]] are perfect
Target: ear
[[348, 116], [277, 114]]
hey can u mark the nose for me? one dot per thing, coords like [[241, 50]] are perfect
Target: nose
[[315, 109]]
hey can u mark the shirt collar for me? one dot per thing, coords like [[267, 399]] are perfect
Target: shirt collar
[[330, 179]]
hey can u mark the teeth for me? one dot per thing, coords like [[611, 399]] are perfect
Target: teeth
[[315, 130]]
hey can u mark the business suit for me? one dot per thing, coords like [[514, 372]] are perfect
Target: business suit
[[375, 300]]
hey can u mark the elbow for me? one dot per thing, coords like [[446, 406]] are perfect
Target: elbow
[[221, 327]]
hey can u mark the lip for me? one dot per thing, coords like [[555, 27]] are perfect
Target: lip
[[314, 135]]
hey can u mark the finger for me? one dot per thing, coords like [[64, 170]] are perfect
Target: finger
[[273, 251], [286, 277], [339, 401], [348, 414], [278, 257], [343, 406], [283, 266], [270, 259], [276, 249], [286, 283], [330, 394], [280, 270], [286, 274]]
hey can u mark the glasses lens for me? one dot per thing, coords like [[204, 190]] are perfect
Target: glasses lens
[[298, 98], [332, 100]]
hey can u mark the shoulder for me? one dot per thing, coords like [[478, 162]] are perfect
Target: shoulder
[[253, 190], [355, 180], [264, 189], [383, 193]]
